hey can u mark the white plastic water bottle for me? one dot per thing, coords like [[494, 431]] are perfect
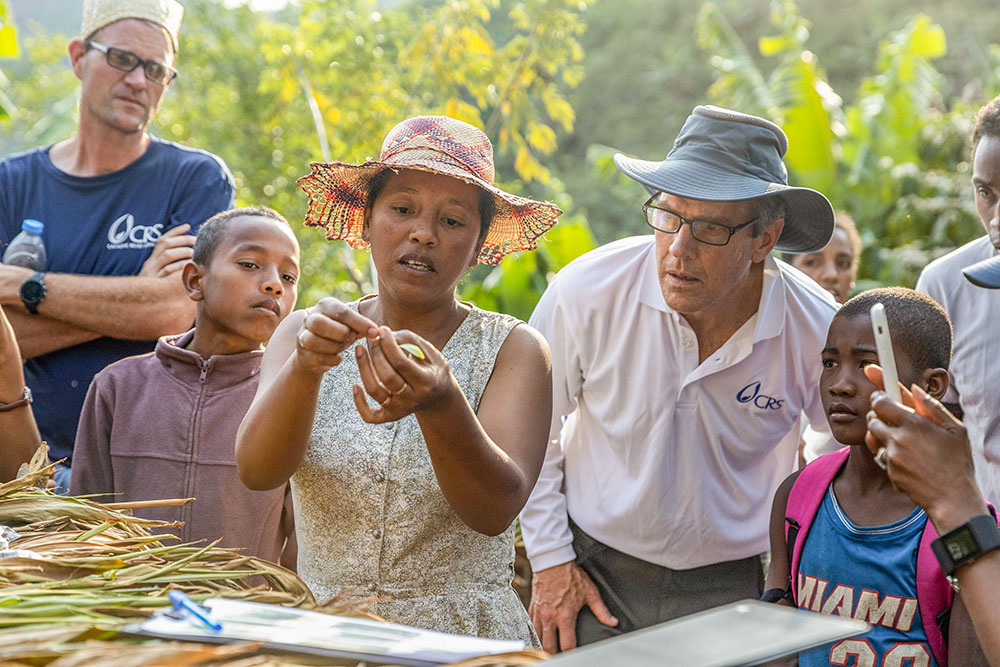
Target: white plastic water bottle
[[27, 248]]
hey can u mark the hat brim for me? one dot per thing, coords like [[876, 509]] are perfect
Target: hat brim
[[338, 194], [985, 273], [809, 219]]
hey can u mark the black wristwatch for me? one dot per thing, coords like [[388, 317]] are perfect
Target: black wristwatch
[[966, 543], [33, 291]]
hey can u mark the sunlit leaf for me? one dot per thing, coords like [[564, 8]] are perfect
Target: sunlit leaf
[[773, 45], [473, 43], [927, 39], [8, 41], [811, 143], [541, 137], [558, 108]]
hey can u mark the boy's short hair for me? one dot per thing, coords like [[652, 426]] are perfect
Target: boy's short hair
[[214, 229], [987, 123], [917, 323]]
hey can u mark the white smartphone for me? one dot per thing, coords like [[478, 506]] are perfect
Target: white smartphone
[[886, 359]]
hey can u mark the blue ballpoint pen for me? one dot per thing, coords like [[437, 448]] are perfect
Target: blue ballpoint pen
[[183, 603]]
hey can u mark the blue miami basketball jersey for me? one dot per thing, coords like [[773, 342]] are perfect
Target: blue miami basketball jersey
[[867, 573]]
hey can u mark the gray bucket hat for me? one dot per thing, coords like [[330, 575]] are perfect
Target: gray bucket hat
[[724, 155], [985, 273]]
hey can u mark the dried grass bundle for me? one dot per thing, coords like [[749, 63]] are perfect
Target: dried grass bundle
[[95, 567]]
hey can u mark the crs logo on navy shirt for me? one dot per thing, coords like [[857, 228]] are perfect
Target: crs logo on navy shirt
[[124, 234], [751, 394]]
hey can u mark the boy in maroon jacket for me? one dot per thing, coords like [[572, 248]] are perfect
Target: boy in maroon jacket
[[163, 424]]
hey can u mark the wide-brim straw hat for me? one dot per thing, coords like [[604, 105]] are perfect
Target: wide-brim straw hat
[[338, 191], [99, 13], [724, 155], [985, 273]]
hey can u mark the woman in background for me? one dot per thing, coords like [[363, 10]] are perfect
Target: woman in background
[[835, 266]]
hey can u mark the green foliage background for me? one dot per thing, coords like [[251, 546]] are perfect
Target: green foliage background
[[878, 105], [896, 157]]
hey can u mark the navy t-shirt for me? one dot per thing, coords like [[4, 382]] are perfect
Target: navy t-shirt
[[105, 226]]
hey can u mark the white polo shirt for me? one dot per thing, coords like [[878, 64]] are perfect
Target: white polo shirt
[[661, 457], [975, 369]]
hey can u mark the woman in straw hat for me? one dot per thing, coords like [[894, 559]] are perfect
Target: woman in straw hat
[[412, 425]]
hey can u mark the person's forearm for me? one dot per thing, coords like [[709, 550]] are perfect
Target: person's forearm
[[38, 334], [482, 484], [273, 437], [979, 582], [20, 440], [11, 371], [953, 509], [21, 437], [131, 307], [545, 529]]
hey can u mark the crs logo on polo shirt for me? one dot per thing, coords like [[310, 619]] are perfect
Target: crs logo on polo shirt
[[751, 394], [124, 234]]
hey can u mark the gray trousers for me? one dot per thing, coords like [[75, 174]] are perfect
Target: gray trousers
[[640, 593]]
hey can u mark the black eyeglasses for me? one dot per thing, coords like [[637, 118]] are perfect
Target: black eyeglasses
[[126, 61], [669, 222]]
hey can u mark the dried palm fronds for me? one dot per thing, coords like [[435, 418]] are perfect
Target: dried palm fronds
[[90, 568], [513, 659], [85, 650], [88, 562]]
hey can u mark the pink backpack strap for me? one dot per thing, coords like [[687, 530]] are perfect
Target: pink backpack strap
[[804, 499], [934, 595]]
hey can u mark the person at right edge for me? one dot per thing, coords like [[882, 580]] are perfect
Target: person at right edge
[[929, 457], [682, 363], [974, 393]]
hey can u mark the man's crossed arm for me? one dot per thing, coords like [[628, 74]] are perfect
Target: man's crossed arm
[[81, 308]]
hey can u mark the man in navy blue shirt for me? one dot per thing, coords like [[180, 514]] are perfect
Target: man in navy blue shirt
[[119, 208]]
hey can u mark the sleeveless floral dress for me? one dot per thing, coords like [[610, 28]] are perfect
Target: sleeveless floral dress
[[371, 519]]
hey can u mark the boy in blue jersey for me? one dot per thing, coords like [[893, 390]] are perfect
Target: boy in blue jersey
[[858, 553]]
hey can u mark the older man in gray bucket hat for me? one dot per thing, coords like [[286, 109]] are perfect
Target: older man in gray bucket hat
[[119, 208], [682, 363]]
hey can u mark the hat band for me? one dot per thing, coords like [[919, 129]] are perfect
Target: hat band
[[713, 156], [451, 160]]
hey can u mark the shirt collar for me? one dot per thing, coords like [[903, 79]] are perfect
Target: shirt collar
[[650, 293], [221, 370], [770, 312]]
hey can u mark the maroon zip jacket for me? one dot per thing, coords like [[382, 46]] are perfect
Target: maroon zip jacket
[[163, 425]]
